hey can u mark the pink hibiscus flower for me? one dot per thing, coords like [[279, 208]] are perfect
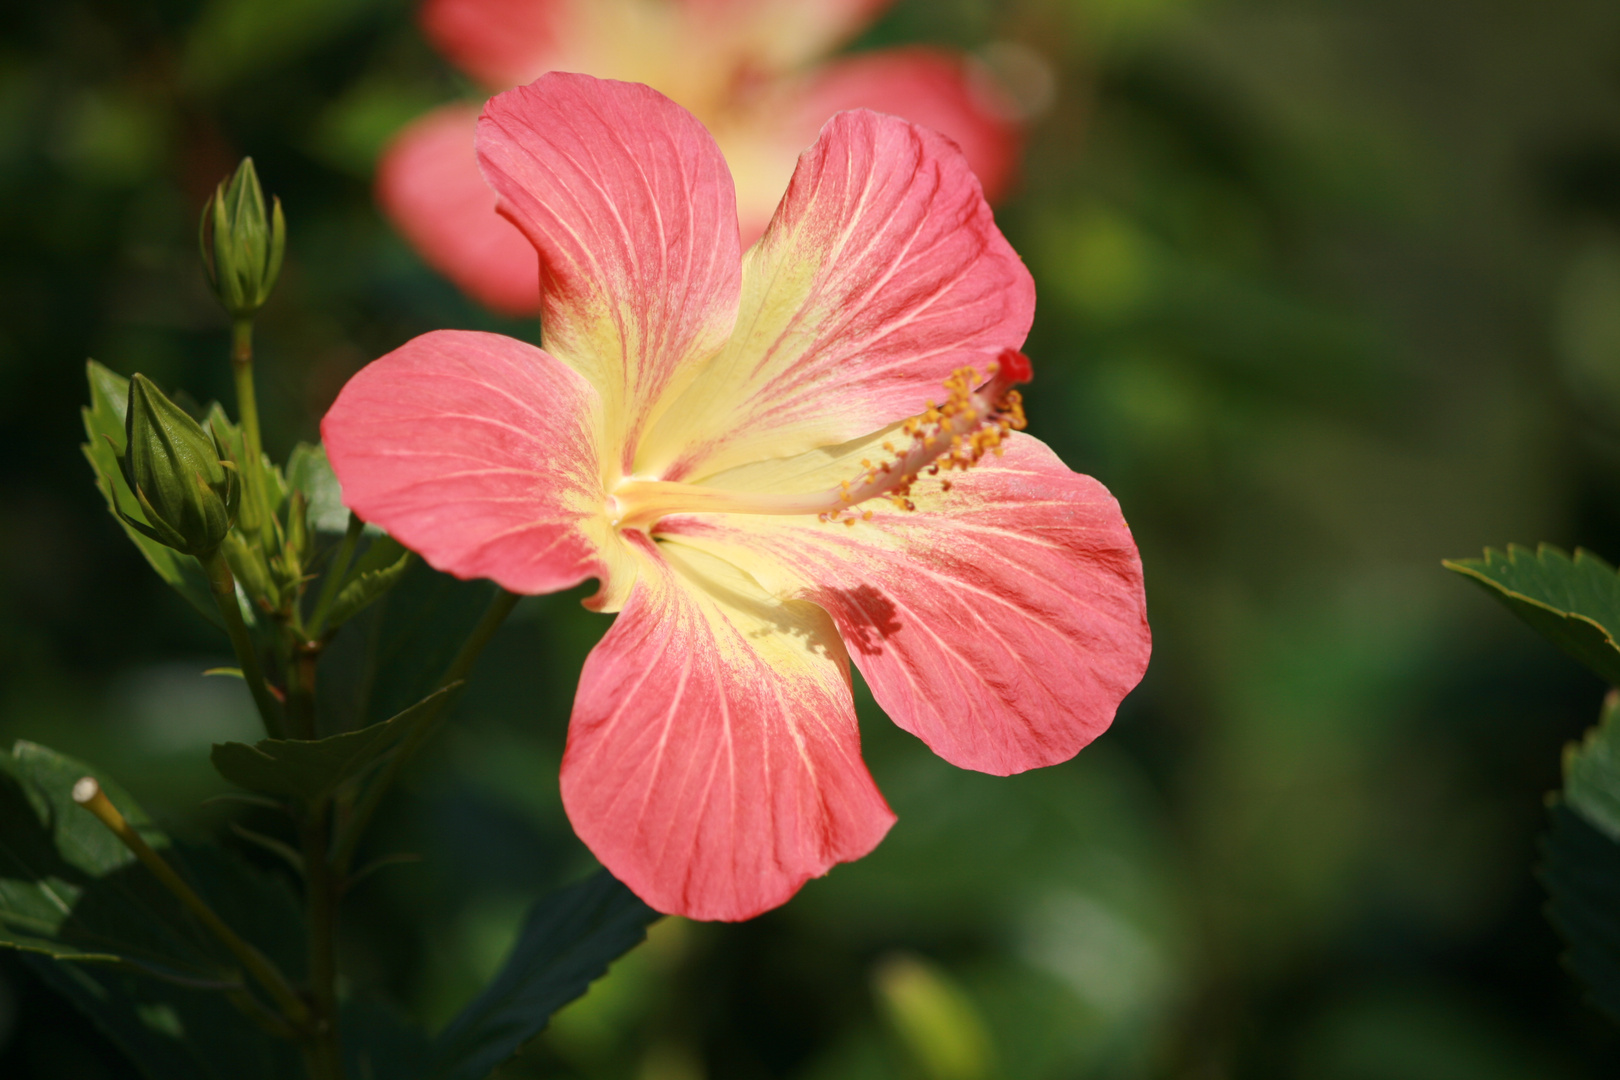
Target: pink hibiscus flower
[[746, 68], [741, 449]]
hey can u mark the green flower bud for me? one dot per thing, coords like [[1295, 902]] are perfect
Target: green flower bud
[[241, 246], [188, 494]]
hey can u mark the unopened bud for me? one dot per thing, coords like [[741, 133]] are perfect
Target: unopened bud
[[241, 244], [188, 494]]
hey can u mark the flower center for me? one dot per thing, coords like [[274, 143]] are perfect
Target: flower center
[[973, 421]]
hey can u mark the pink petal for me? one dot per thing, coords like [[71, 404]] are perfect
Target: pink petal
[[476, 451], [499, 42], [936, 89], [631, 207], [429, 185], [882, 272], [713, 760], [1001, 623]]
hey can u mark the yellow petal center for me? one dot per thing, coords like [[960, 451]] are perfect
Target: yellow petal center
[[972, 421]]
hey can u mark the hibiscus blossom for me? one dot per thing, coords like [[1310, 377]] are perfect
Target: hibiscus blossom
[[768, 461], [746, 68]]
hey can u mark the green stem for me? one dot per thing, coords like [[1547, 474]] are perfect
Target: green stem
[[255, 511], [349, 838], [324, 1057], [333, 578], [223, 586], [300, 689], [88, 794]]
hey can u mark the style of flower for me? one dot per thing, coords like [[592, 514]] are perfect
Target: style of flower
[[747, 68], [769, 461]]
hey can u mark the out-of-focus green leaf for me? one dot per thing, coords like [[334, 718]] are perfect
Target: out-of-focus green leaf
[[1575, 603], [1581, 870], [1581, 854], [1592, 772], [308, 769], [103, 420], [369, 585], [308, 471], [935, 1019], [567, 942], [101, 930]]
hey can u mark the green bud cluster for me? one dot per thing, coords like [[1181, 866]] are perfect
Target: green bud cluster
[[178, 474], [241, 245]]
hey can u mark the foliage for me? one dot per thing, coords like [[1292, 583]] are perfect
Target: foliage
[[1574, 603]]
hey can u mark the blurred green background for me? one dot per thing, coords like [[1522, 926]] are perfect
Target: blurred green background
[[1327, 292]]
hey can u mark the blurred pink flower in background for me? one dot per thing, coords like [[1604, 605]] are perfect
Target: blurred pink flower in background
[[751, 70]]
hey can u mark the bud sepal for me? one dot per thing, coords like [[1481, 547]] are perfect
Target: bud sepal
[[180, 475]]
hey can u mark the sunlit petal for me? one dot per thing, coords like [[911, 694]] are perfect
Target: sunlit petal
[[713, 760], [631, 207], [478, 452], [1001, 622], [882, 272]]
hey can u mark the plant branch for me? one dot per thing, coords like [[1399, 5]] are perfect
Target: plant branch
[[88, 794], [247, 407], [223, 586]]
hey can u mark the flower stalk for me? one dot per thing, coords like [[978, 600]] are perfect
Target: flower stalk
[[223, 586], [255, 509], [88, 794]]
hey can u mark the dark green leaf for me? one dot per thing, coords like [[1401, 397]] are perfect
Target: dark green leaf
[[567, 942], [100, 929], [366, 586], [1575, 603], [395, 652], [378, 1044], [1581, 870], [307, 770], [103, 420], [1592, 772]]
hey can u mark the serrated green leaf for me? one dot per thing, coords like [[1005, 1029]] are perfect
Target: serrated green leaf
[[1575, 603], [1581, 871], [103, 932], [1592, 771], [308, 770], [366, 587], [103, 420], [567, 942]]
